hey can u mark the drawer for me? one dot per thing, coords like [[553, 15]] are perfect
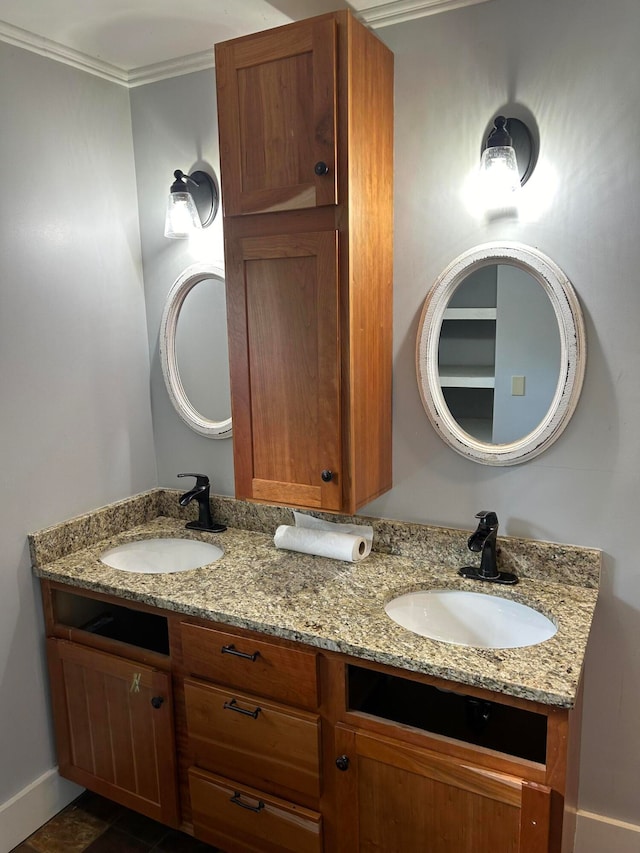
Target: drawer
[[257, 742], [244, 820], [288, 675]]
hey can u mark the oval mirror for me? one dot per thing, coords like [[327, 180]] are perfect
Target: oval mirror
[[500, 353], [185, 343]]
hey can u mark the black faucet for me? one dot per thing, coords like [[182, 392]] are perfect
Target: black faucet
[[484, 540], [201, 493]]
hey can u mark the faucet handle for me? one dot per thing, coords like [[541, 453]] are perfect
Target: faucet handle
[[487, 525], [487, 518], [201, 479]]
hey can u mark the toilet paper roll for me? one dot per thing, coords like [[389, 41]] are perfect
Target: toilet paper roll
[[322, 543]]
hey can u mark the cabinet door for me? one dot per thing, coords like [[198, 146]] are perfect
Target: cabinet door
[[276, 112], [282, 305], [396, 798], [114, 728]]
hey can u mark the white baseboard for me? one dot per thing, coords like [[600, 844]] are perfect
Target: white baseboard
[[34, 805], [596, 833]]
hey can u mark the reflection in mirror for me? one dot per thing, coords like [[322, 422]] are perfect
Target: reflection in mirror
[[194, 363], [500, 353], [202, 360]]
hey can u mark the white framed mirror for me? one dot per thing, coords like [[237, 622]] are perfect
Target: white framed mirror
[[182, 342], [500, 353]]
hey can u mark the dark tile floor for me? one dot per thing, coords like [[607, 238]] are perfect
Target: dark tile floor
[[92, 824]]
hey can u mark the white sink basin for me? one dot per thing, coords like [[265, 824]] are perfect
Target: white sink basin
[[470, 619], [161, 556]]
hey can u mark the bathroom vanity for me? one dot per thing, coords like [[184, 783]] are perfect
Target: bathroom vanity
[[266, 702]]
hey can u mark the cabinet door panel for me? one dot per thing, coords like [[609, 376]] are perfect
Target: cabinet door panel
[[110, 736], [408, 798], [125, 776], [282, 302], [276, 106]]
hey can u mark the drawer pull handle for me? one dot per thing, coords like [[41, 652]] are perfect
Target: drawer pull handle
[[321, 168], [233, 706], [157, 701], [231, 650], [237, 801]]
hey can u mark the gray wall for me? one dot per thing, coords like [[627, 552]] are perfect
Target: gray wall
[[175, 127], [75, 422], [527, 344], [574, 64]]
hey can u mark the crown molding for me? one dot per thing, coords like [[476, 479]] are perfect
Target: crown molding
[[393, 12], [398, 11], [171, 68], [67, 55]]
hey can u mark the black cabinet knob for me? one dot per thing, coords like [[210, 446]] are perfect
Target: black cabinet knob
[[342, 762], [327, 476], [157, 701], [321, 168]]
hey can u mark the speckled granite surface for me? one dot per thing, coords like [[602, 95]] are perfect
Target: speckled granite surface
[[340, 606]]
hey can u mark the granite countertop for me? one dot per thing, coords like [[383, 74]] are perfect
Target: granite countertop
[[339, 606]]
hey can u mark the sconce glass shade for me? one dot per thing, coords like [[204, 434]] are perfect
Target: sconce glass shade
[[507, 161], [182, 216], [499, 178], [192, 204]]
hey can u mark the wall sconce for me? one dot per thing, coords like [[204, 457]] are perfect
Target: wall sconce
[[192, 204], [506, 164]]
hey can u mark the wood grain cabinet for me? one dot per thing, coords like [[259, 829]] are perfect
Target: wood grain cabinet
[[260, 745], [278, 93], [305, 117], [427, 765], [255, 779], [113, 714], [403, 797]]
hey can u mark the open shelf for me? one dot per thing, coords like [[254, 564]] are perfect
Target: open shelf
[[470, 314], [95, 618], [492, 725], [467, 376]]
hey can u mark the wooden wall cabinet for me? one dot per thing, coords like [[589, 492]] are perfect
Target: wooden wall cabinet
[[279, 95], [305, 117]]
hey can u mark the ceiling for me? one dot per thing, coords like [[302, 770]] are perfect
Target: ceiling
[[137, 41]]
